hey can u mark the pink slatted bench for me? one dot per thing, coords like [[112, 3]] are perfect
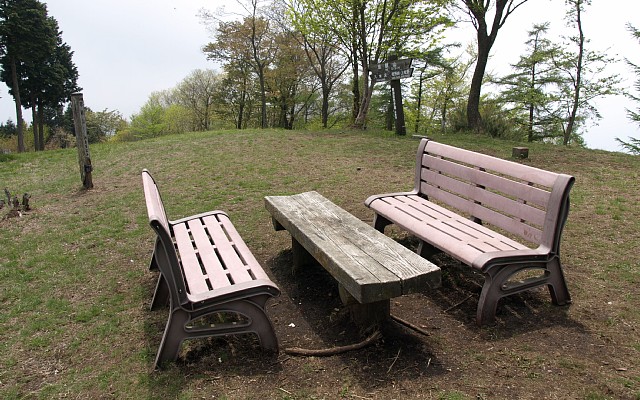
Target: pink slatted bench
[[502, 218], [205, 269]]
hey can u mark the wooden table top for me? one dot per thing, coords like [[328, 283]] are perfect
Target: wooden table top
[[368, 264]]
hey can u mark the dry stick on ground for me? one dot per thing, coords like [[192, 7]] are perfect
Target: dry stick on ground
[[394, 361], [334, 350], [409, 325], [457, 304]]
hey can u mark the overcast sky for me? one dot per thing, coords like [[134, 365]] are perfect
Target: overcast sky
[[127, 49]]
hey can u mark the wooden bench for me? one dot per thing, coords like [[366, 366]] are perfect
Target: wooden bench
[[205, 269], [370, 267], [518, 201]]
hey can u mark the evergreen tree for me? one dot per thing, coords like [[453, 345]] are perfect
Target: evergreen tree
[[633, 144], [36, 64], [529, 89]]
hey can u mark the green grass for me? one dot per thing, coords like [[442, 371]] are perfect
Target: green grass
[[74, 283]]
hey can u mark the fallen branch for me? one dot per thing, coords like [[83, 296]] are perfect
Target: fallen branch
[[334, 350], [394, 361], [409, 325], [458, 304]]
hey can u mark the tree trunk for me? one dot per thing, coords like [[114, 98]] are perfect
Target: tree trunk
[[41, 126], [419, 106], [263, 99], [326, 91], [16, 96], [474, 120], [34, 124], [355, 89], [578, 82], [389, 118], [243, 99], [486, 39]]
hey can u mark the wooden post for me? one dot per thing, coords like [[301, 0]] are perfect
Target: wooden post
[[396, 88], [82, 141]]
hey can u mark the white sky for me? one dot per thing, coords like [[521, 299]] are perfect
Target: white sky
[[126, 49]]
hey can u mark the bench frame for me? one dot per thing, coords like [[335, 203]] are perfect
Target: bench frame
[[519, 200], [205, 268]]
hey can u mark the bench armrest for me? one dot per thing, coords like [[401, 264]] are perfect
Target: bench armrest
[[371, 199], [230, 293], [486, 260]]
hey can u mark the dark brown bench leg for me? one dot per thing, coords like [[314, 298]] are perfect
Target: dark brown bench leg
[[380, 222], [174, 335], [497, 285], [557, 284], [253, 309], [425, 250], [161, 294]]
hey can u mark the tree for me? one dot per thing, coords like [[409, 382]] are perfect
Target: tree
[[583, 79], [290, 79], [529, 88], [37, 64], [8, 129], [60, 80], [369, 31], [196, 93], [23, 43], [398, 27], [321, 48], [478, 11], [103, 124], [442, 88], [250, 42], [633, 144]]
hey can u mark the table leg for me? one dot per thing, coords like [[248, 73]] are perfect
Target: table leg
[[365, 315], [301, 256]]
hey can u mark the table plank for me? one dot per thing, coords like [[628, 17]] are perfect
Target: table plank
[[370, 265]]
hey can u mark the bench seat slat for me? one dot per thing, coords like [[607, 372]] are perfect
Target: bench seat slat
[[233, 264], [444, 229], [196, 281], [215, 271], [251, 262]]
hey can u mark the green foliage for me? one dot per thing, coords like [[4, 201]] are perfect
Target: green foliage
[[37, 65], [528, 91], [149, 122], [8, 129], [103, 124], [633, 144]]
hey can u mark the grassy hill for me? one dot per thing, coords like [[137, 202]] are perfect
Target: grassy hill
[[75, 288]]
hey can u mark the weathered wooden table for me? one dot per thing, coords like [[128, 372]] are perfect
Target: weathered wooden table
[[370, 267]]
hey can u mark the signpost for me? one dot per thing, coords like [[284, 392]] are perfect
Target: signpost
[[82, 140], [393, 70]]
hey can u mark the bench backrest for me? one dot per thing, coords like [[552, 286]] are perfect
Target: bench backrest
[[528, 202], [165, 252]]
